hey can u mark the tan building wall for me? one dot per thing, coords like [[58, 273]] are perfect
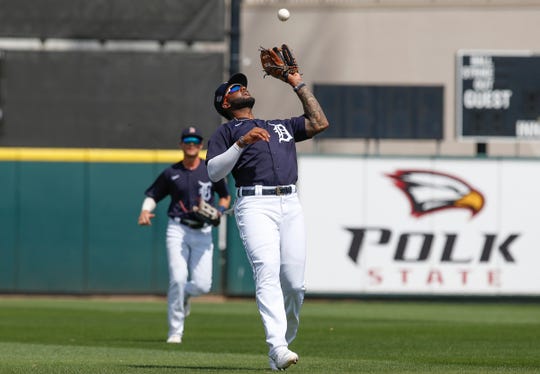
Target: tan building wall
[[387, 42]]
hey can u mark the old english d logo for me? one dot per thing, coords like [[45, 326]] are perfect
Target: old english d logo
[[431, 191]]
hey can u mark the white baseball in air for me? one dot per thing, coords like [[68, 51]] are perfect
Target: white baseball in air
[[283, 14]]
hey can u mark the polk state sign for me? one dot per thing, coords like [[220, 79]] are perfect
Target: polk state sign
[[421, 226]]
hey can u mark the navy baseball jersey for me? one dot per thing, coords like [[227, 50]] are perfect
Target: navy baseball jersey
[[185, 187], [270, 163]]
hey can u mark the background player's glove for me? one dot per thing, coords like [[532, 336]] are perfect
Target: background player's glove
[[278, 62], [207, 213]]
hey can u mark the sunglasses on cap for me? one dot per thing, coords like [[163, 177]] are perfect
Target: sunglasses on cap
[[191, 140], [234, 88]]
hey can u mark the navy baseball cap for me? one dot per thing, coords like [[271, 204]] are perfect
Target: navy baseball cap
[[220, 91], [191, 132]]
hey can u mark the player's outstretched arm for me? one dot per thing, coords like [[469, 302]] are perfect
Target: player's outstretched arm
[[145, 218], [224, 202], [316, 120], [221, 165], [146, 215]]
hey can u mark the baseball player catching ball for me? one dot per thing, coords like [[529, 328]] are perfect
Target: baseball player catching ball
[[189, 233], [261, 154]]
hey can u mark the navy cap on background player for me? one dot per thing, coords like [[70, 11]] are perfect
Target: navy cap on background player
[[219, 95], [191, 132]]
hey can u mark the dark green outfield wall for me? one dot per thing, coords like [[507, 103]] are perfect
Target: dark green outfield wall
[[71, 227]]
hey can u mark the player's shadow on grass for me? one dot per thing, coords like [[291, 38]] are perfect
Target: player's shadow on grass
[[220, 368], [157, 340]]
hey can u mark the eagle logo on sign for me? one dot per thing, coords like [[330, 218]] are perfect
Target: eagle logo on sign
[[431, 191]]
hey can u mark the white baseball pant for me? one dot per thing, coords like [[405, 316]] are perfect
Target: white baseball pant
[[189, 253], [273, 232]]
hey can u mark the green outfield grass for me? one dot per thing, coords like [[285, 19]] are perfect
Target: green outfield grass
[[40, 335]]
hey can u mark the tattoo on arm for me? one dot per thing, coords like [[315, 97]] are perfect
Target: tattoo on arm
[[317, 121]]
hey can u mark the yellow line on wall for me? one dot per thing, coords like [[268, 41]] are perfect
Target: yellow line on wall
[[91, 155]]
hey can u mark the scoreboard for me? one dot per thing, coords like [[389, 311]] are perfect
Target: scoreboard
[[498, 95]]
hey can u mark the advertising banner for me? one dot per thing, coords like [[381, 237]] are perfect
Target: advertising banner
[[421, 226]]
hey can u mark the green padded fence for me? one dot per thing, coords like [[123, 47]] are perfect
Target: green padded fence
[[71, 227]]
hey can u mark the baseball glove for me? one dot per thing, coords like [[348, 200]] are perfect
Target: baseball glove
[[207, 213], [278, 62]]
